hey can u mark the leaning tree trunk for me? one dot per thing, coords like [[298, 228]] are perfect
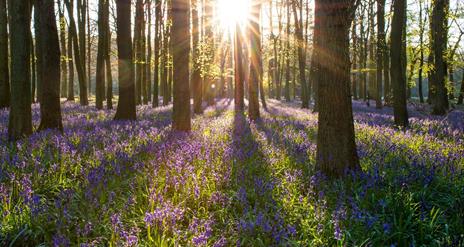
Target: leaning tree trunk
[[4, 70], [50, 109], [196, 74], [20, 122], [181, 89], [439, 34], [78, 53], [255, 62], [238, 71], [397, 71], [126, 105], [336, 148]]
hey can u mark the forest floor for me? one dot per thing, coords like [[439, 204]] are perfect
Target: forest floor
[[231, 182]]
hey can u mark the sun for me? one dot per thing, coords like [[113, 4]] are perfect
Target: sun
[[232, 12]]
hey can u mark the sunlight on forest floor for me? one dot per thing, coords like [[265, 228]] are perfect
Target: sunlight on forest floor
[[230, 182]]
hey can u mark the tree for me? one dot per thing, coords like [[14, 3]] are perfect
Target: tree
[[397, 71], [126, 105], [4, 68], [70, 60], [181, 88], [196, 74], [156, 71], [255, 61], [301, 52], [78, 53], [138, 50], [380, 51], [50, 109], [238, 70], [64, 67], [20, 122], [439, 32], [336, 148], [102, 42]]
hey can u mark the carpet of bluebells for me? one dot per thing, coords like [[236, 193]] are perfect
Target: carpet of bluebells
[[230, 182]]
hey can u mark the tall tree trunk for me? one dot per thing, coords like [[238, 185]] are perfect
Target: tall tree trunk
[[196, 76], [81, 22], [287, 51], [397, 71], [64, 67], [89, 47], [439, 34], [149, 63], [336, 148], [70, 64], [20, 122], [102, 42], [50, 109], [38, 52], [78, 53], [109, 75], [301, 54], [421, 51], [138, 50], [238, 71], [255, 62], [380, 51], [181, 38], [126, 105], [4, 68], [156, 69], [33, 68]]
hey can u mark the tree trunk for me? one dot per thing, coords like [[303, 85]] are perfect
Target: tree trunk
[[380, 51], [70, 65], [148, 64], [20, 122], [4, 68], [109, 75], [50, 109], [336, 148], [397, 71], [102, 42], [156, 69], [301, 55], [78, 53], [126, 105], [461, 92], [181, 38], [238, 71], [64, 67], [254, 79], [196, 76], [421, 51], [439, 34]]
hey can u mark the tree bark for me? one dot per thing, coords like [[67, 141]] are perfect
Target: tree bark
[[64, 67], [156, 71], [380, 51], [4, 67], [336, 148], [102, 42], [126, 105], [20, 122], [50, 109], [439, 34], [181, 38], [301, 55], [255, 62], [196, 75], [238, 71], [397, 71]]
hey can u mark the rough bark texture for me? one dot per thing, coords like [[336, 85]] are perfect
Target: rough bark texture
[[197, 84], [20, 122], [238, 71], [336, 148], [4, 68], [397, 71], [255, 63], [181, 51], [126, 105], [439, 34], [50, 109]]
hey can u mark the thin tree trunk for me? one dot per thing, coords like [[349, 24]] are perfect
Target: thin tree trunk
[[301, 55], [196, 76], [102, 42], [255, 62], [238, 71], [70, 63], [156, 70], [380, 51]]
